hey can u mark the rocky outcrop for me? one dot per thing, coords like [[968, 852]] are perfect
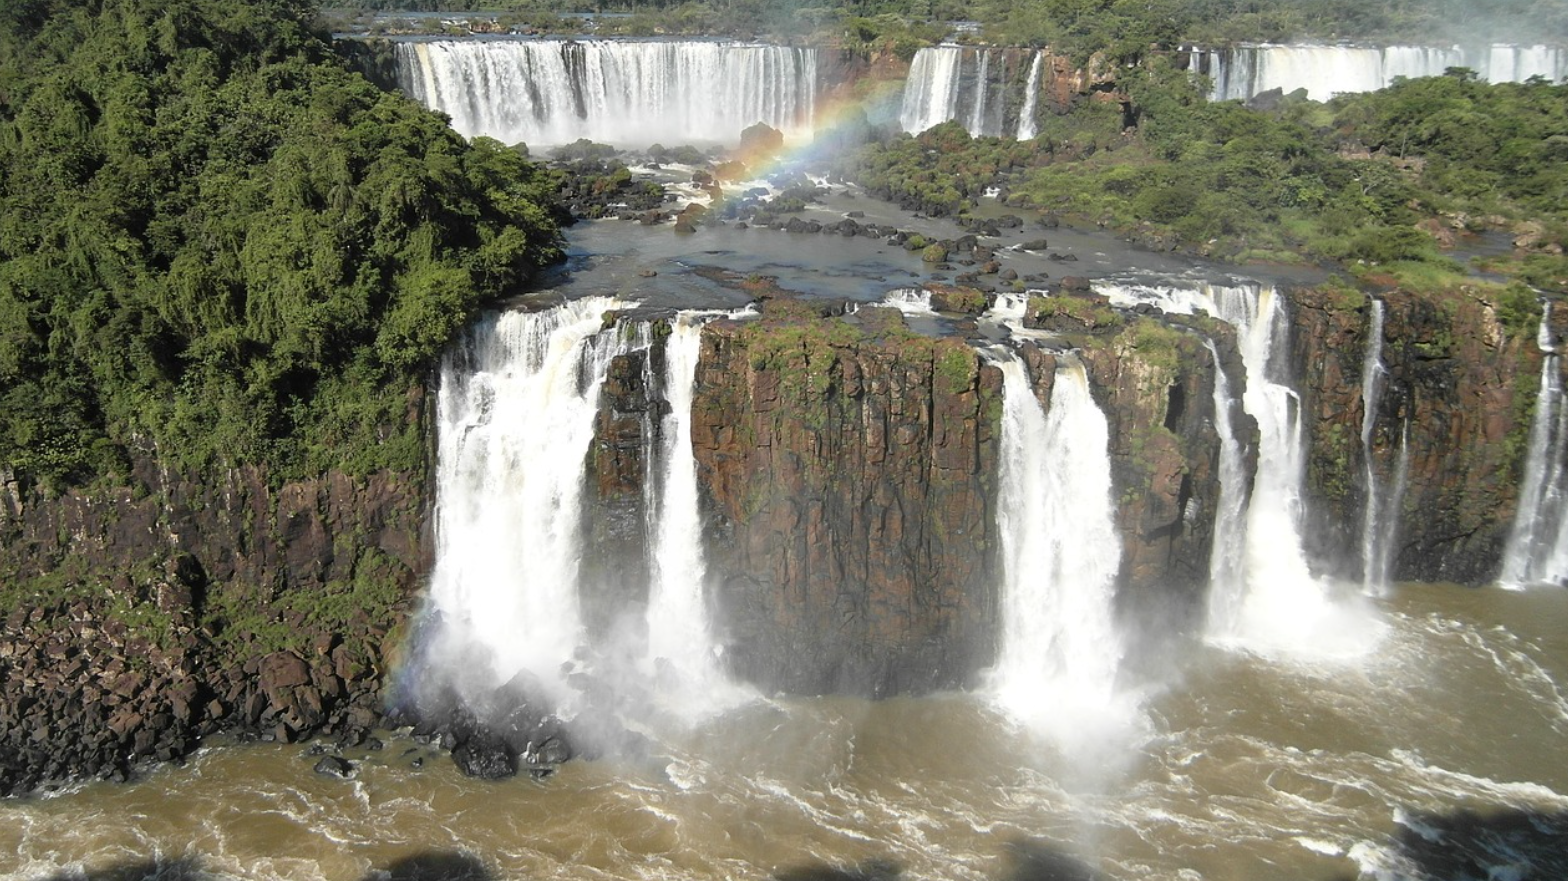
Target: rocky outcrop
[[850, 473], [1458, 395], [848, 468], [144, 616]]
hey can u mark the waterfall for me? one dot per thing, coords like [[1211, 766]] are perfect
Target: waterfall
[[956, 83], [1389, 540], [1373, 519], [622, 92], [910, 301], [1060, 647], [680, 637], [1537, 550], [1242, 71], [931, 92], [1227, 561], [1285, 609], [1026, 124], [977, 105], [516, 412]]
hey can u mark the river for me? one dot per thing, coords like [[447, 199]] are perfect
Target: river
[[1447, 747]]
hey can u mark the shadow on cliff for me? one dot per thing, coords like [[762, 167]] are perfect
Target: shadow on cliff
[[1486, 843]]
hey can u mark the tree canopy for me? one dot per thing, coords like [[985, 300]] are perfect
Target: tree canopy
[[219, 245]]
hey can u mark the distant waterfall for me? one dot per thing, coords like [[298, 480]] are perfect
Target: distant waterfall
[[1060, 648], [1537, 549], [637, 93], [1227, 561], [1242, 71], [1285, 609], [957, 83], [516, 412], [1026, 124], [1377, 522]]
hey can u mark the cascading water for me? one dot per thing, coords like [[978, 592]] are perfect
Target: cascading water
[[679, 630], [1537, 549], [1242, 71], [1060, 648], [1285, 609], [1227, 561], [621, 92], [1026, 124], [956, 83], [931, 91], [516, 409], [1375, 527]]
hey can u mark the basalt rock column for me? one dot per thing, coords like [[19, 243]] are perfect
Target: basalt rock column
[[848, 470]]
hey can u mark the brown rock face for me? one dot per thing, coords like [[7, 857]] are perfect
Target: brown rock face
[[145, 616], [1458, 396], [849, 474]]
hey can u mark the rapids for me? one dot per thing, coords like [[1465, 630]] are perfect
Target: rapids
[[1444, 750]]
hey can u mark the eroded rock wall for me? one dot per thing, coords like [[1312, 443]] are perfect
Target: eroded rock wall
[[850, 480], [1459, 390], [143, 616]]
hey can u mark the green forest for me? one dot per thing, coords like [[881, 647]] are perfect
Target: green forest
[[1367, 180], [219, 245]]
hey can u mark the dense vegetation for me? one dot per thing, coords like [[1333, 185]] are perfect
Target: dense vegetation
[[217, 245], [1350, 180]]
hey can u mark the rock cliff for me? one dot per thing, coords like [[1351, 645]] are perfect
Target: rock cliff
[[1458, 395], [145, 614]]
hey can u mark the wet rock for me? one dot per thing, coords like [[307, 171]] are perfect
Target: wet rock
[[334, 766], [485, 756]]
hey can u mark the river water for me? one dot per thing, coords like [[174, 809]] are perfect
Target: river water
[[1446, 748]]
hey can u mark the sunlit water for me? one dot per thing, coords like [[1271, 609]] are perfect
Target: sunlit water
[[1253, 769]]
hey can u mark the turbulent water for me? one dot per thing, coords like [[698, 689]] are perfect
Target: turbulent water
[[1252, 769], [625, 92], [1240, 72]]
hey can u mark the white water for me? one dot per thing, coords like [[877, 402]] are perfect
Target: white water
[[1537, 549], [909, 301], [931, 91], [1286, 610], [1243, 71], [680, 633], [1227, 561], [1375, 526], [516, 412], [547, 92], [956, 83], [1026, 124], [1060, 647]]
